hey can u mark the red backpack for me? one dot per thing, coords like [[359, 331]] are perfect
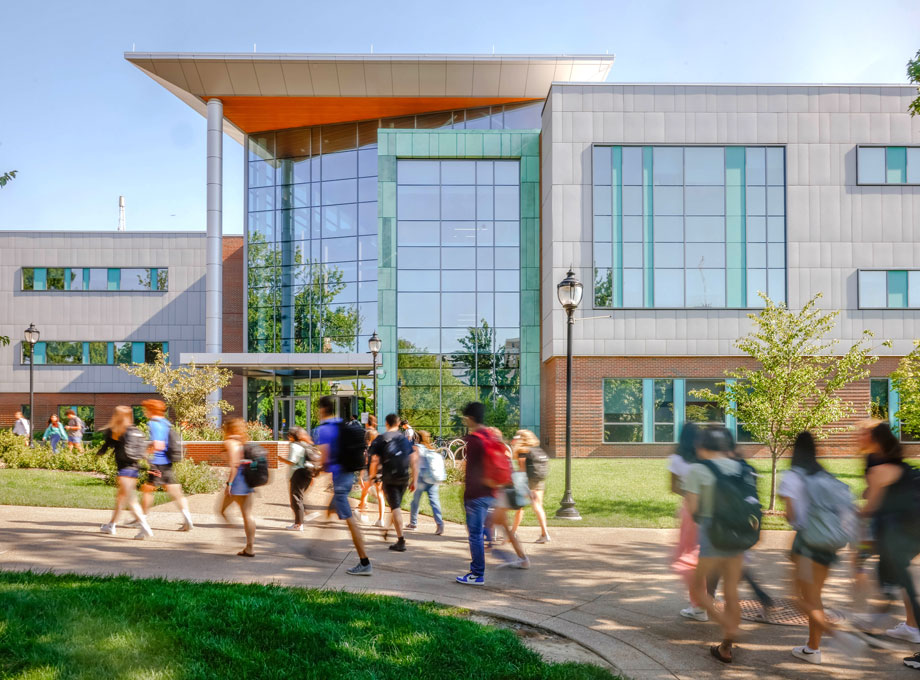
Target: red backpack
[[496, 466]]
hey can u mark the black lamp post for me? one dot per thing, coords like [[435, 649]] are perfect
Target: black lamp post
[[374, 344], [569, 292], [31, 335]]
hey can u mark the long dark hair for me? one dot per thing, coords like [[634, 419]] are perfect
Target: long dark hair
[[889, 448], [686, 442], [298, 434], [803, 454]]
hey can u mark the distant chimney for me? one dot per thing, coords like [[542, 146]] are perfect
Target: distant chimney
[[121, 213]]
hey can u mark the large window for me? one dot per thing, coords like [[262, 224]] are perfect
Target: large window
[[623, 411], [891, 289], [94, 279], [93, 353], [888, 164], [688, 226]]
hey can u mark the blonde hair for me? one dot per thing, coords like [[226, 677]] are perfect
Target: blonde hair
[[122, 418], [527, 438], [235, 427], [424, 438]]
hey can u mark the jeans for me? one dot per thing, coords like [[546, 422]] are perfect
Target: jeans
[[477, 510], [55, 440], [300, 482], [433, 498]]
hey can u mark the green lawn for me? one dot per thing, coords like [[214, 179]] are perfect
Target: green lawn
[[76, 627], [58, 489], [629, 492]]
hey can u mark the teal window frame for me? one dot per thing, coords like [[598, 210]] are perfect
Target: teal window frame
[[896, 170], [897, 288], [40, 278], [113, 279], [138, 350]]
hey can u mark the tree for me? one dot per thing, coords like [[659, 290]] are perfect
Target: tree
[[185, 389], [4, 340], [796, 384], [7, 177], [906, 380], [913, 76]]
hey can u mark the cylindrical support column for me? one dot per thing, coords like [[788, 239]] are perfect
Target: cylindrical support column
[[215, 253]]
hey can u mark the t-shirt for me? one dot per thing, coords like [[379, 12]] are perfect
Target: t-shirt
[[159, 432], [327, 432], [475, 469], [701, 481], [793, 485], [296, 455], [379, 447], [678, 466]]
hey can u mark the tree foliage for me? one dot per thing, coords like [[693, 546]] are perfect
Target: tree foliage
[[185, 389], [7, 177], [796, 385], [906, 380], [913, 76]]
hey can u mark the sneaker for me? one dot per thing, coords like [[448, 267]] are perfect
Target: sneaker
[[523, 563], [187, 526], [439, 530], [146, 530], [362, 518], [140, 535], [873, 640], [399, 546], [313, 515], [806, 654], [378, 523], [695, 613], [361, 570], [294, 527], [913, 661], [543, 539], [108, 529], [412, 526], [904, 632], [471, 580]]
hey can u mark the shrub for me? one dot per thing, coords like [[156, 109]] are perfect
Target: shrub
[[256, 431]]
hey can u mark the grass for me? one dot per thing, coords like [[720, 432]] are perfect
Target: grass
[[630, 492], [76, 627], [58, 489]]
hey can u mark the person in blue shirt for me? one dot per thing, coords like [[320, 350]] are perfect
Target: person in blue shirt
[[326, 438], [161, 467]]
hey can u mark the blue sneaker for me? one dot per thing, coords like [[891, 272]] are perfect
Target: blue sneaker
[[471, 580]]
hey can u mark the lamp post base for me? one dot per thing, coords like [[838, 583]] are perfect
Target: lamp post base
[[567, 508]]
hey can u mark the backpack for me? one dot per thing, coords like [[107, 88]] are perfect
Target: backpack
[[312, 459], [832, 522], [496, 466], [173, 444], [537, 463], [434, 472], [352, 453], [256, 473], [135, 445], [736, 512], [396, 468]]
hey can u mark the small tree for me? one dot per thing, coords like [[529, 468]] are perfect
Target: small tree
[[796, 385], [185, 389], [913, 76], [906, 380]]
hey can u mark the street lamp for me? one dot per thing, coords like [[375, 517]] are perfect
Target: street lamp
[[31, 335], [374, 344], [569, 292]]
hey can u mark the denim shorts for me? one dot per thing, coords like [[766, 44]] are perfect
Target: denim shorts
[[342, 482], [129, 472], [707, 549], [823, 557]]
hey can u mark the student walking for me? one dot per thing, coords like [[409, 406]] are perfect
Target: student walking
[[237, 489], [721, 493], [342, 448], [129, 446], [303, 466], [393, 454], [531, 459], [75, 429], [54, 433], [429, 474], [165, 449], [21, 426], [820, 508], [369, 481]]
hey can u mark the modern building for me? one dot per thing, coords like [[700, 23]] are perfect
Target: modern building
[[438, 200]]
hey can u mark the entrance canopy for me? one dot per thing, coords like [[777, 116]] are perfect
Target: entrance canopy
[[254, 364]]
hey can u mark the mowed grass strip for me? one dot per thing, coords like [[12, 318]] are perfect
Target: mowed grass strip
[[58, 489], [79, 627]]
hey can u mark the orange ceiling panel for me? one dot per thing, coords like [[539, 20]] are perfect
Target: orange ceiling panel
[[258, 114]]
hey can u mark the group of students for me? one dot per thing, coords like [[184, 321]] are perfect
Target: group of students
[[56, 432], [720, 521]]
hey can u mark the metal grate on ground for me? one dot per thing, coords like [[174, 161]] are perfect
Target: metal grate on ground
[[783, 613]]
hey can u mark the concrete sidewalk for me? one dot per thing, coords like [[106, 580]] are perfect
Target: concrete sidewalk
[[609, 589]]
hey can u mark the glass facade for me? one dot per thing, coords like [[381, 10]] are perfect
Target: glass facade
[[93, 353], [684, 227], [95, 279], [888, 164]]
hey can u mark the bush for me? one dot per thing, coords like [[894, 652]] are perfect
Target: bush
[[255, 430]]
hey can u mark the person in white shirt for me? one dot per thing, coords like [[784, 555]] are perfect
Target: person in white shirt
[[22, 426], [687, 551]]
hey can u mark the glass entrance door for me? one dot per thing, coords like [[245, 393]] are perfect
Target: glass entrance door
[[290, 412]]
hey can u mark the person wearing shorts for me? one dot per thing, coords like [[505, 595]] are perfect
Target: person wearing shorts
[[119, 429], [237, 489], [387, 445]]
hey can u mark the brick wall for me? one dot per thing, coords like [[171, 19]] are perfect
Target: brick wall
[[233, 289], [588, 402], [46, 404], [212, 453]]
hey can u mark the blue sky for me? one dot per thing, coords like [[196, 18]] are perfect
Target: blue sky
[[82, 126]]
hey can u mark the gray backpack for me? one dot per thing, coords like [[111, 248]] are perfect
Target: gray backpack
[[832, 521]]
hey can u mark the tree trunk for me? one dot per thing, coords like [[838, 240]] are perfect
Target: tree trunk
[[773, 482]]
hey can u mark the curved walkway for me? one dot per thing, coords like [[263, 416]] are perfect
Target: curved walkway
[[608, 589]]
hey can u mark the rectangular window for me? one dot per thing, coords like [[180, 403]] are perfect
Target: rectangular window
[[888, 165], [878, 399], [93, 279], [28, 278], [700, 410], [623, 411], [98, 353], [891, 289], [55, 279], [85, 413], [664, 410], [135, 279], [63, 353]]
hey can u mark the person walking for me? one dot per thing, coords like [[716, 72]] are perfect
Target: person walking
[[54, 433], [237, 489], [707, 495], [408, 431], [162, 441], [393, 454], [369, 481], [303, 465], [21, 426], [129, 446], [525, 448], [820, 508], [429, 474], [75, 428], [329, 436]]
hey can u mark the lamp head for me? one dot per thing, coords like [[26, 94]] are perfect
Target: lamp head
[[569, 291], [374, 343], [31, 334]]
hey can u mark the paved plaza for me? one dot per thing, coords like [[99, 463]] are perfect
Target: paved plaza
[[609, 589]]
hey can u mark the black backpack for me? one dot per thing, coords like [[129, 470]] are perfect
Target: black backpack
[[395, 463], [173, 444], [352, 454], [736, 512], [537, 463], [256, 473], [135, 445]]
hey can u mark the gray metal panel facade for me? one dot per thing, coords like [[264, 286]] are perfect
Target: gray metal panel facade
[[833, 227], [176, 316]]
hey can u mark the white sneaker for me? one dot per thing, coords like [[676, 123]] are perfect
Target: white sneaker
[[378, 523], [108, 529], [313, 515], [695, 613], [187, 525], [904, 632], [294, 527], [145, 529], [806, 654], [543, 539], [140, 535], [362, 518]]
